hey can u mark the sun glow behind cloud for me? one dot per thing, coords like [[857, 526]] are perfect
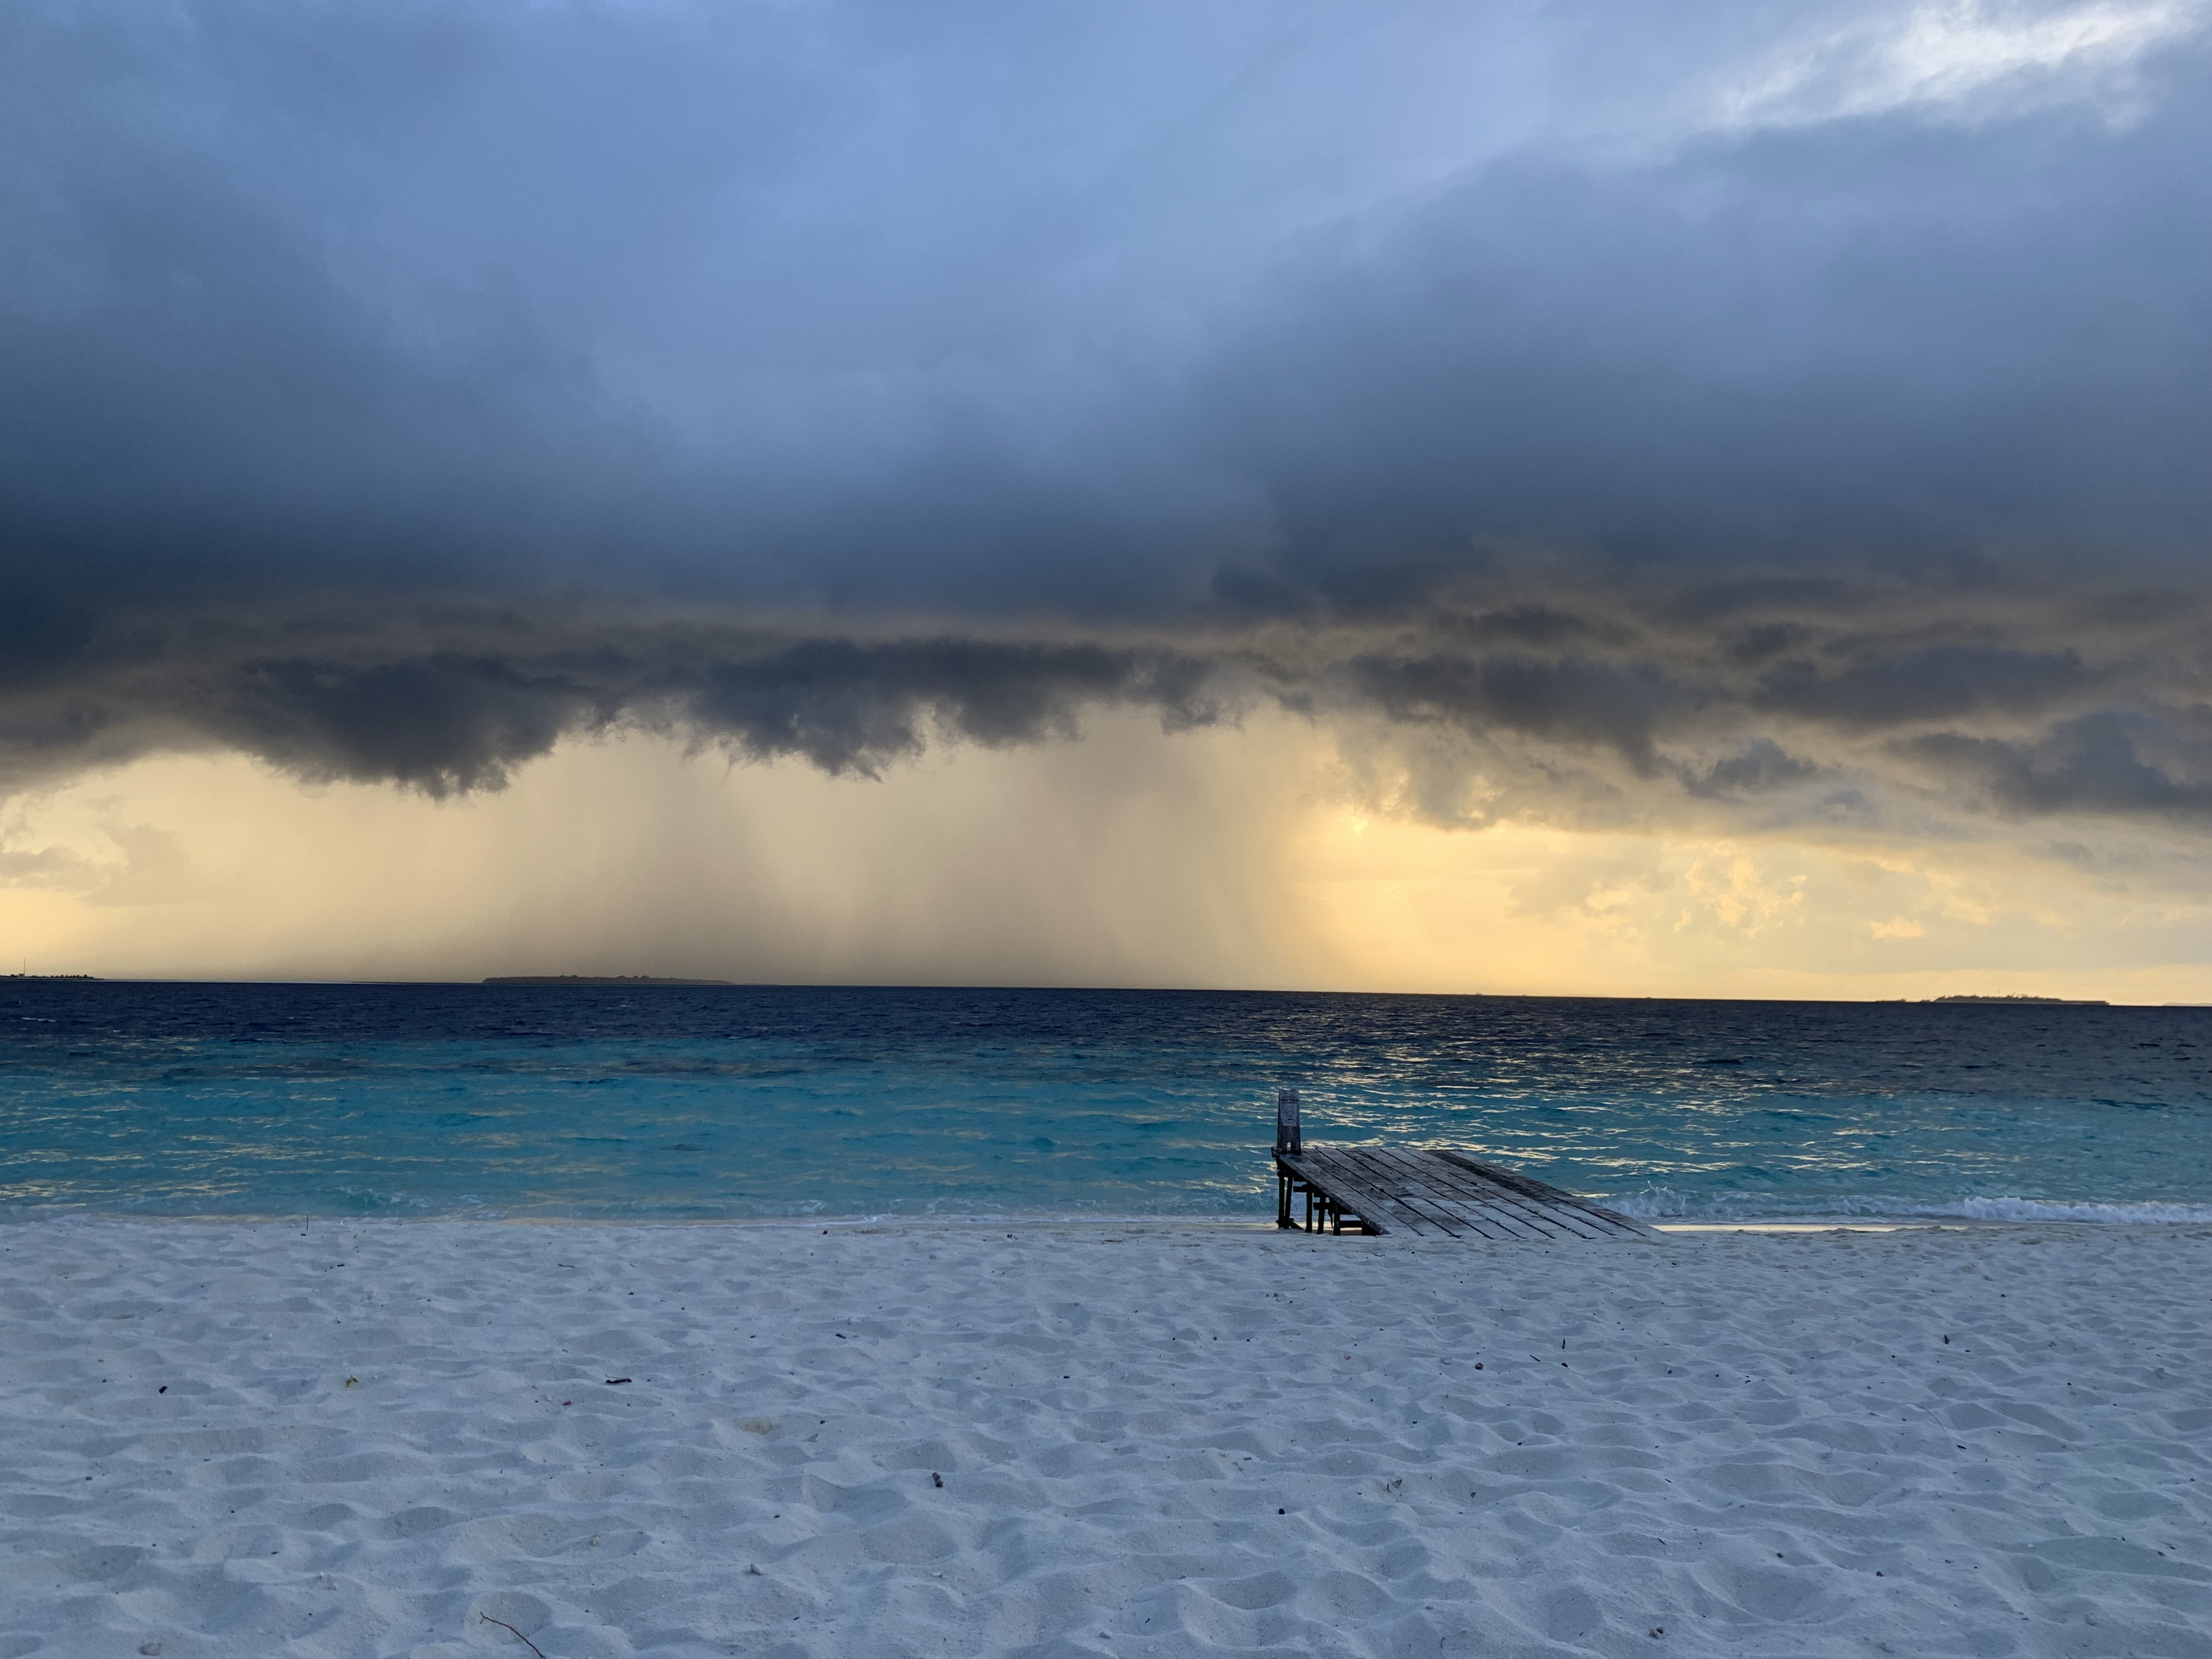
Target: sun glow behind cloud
[[1241, 859]]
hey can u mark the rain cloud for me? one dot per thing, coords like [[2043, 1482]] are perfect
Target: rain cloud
[[1767, 418]]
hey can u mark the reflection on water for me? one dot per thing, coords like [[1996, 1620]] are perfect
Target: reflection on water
[[694, 1103]]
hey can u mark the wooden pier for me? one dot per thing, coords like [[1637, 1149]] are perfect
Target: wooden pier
[[1436, 1193]]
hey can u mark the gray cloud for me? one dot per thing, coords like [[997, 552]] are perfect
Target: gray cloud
[[1763, 765], [454, 699], [1604, 686], [1621, 707], [390, 391], [2106, 763], [1887, 687]]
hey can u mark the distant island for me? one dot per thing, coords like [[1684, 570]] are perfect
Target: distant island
[[2071, 1002], [41, 977], [598, 979]]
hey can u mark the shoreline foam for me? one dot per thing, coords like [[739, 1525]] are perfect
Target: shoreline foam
[[1868, 1213]]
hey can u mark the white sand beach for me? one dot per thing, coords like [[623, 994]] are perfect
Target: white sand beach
[[228, 1439]]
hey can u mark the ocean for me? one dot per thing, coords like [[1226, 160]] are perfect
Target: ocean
[[720, 1102]]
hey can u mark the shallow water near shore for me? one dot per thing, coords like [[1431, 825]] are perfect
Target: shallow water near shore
[[676, 1102]]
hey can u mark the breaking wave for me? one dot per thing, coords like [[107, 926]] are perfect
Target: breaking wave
[[1662, 1204]]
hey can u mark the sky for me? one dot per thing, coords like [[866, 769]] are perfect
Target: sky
[[1570, 498]]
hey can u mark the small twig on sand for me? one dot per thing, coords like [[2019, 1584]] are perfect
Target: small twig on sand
[[519, 1636]]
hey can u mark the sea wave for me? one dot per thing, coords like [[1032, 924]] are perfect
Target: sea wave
[[1662, 1204]]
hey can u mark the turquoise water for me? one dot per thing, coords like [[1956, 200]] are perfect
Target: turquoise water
[[684, 1103]]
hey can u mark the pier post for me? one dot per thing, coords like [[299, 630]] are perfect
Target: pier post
[[1287, 1139]]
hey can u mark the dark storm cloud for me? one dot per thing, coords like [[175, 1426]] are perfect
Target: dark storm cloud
[[2107, 763], [1889, 347], [1943, 682], [389, 391], [1762, 766], [454, 699], [1619, 707]]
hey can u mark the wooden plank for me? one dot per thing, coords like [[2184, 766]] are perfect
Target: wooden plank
[[1448, 1186], [1443, 1192], [1401, 1216], [1331, 1173], [1315, 1170], [1413, 1175], [1571, 1218], [1377, 1173], [1567, 1218], [1611, 1219], [1410, 1186], [1371, 1195], [1527, 1184], [1452, 1217], [1513, 1180], [1551, 1221]]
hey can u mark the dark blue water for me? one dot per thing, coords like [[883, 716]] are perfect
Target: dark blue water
[[683, 1104]]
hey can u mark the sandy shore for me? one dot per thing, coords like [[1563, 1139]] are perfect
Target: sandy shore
[[230, 1439]]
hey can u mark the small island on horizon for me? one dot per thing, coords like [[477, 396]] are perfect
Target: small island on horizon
[[2071, 1002], [598, 979]]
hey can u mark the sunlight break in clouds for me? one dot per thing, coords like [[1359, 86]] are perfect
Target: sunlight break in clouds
[[1969, 58]]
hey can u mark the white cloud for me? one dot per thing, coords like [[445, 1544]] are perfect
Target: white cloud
[[1968, 58]]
